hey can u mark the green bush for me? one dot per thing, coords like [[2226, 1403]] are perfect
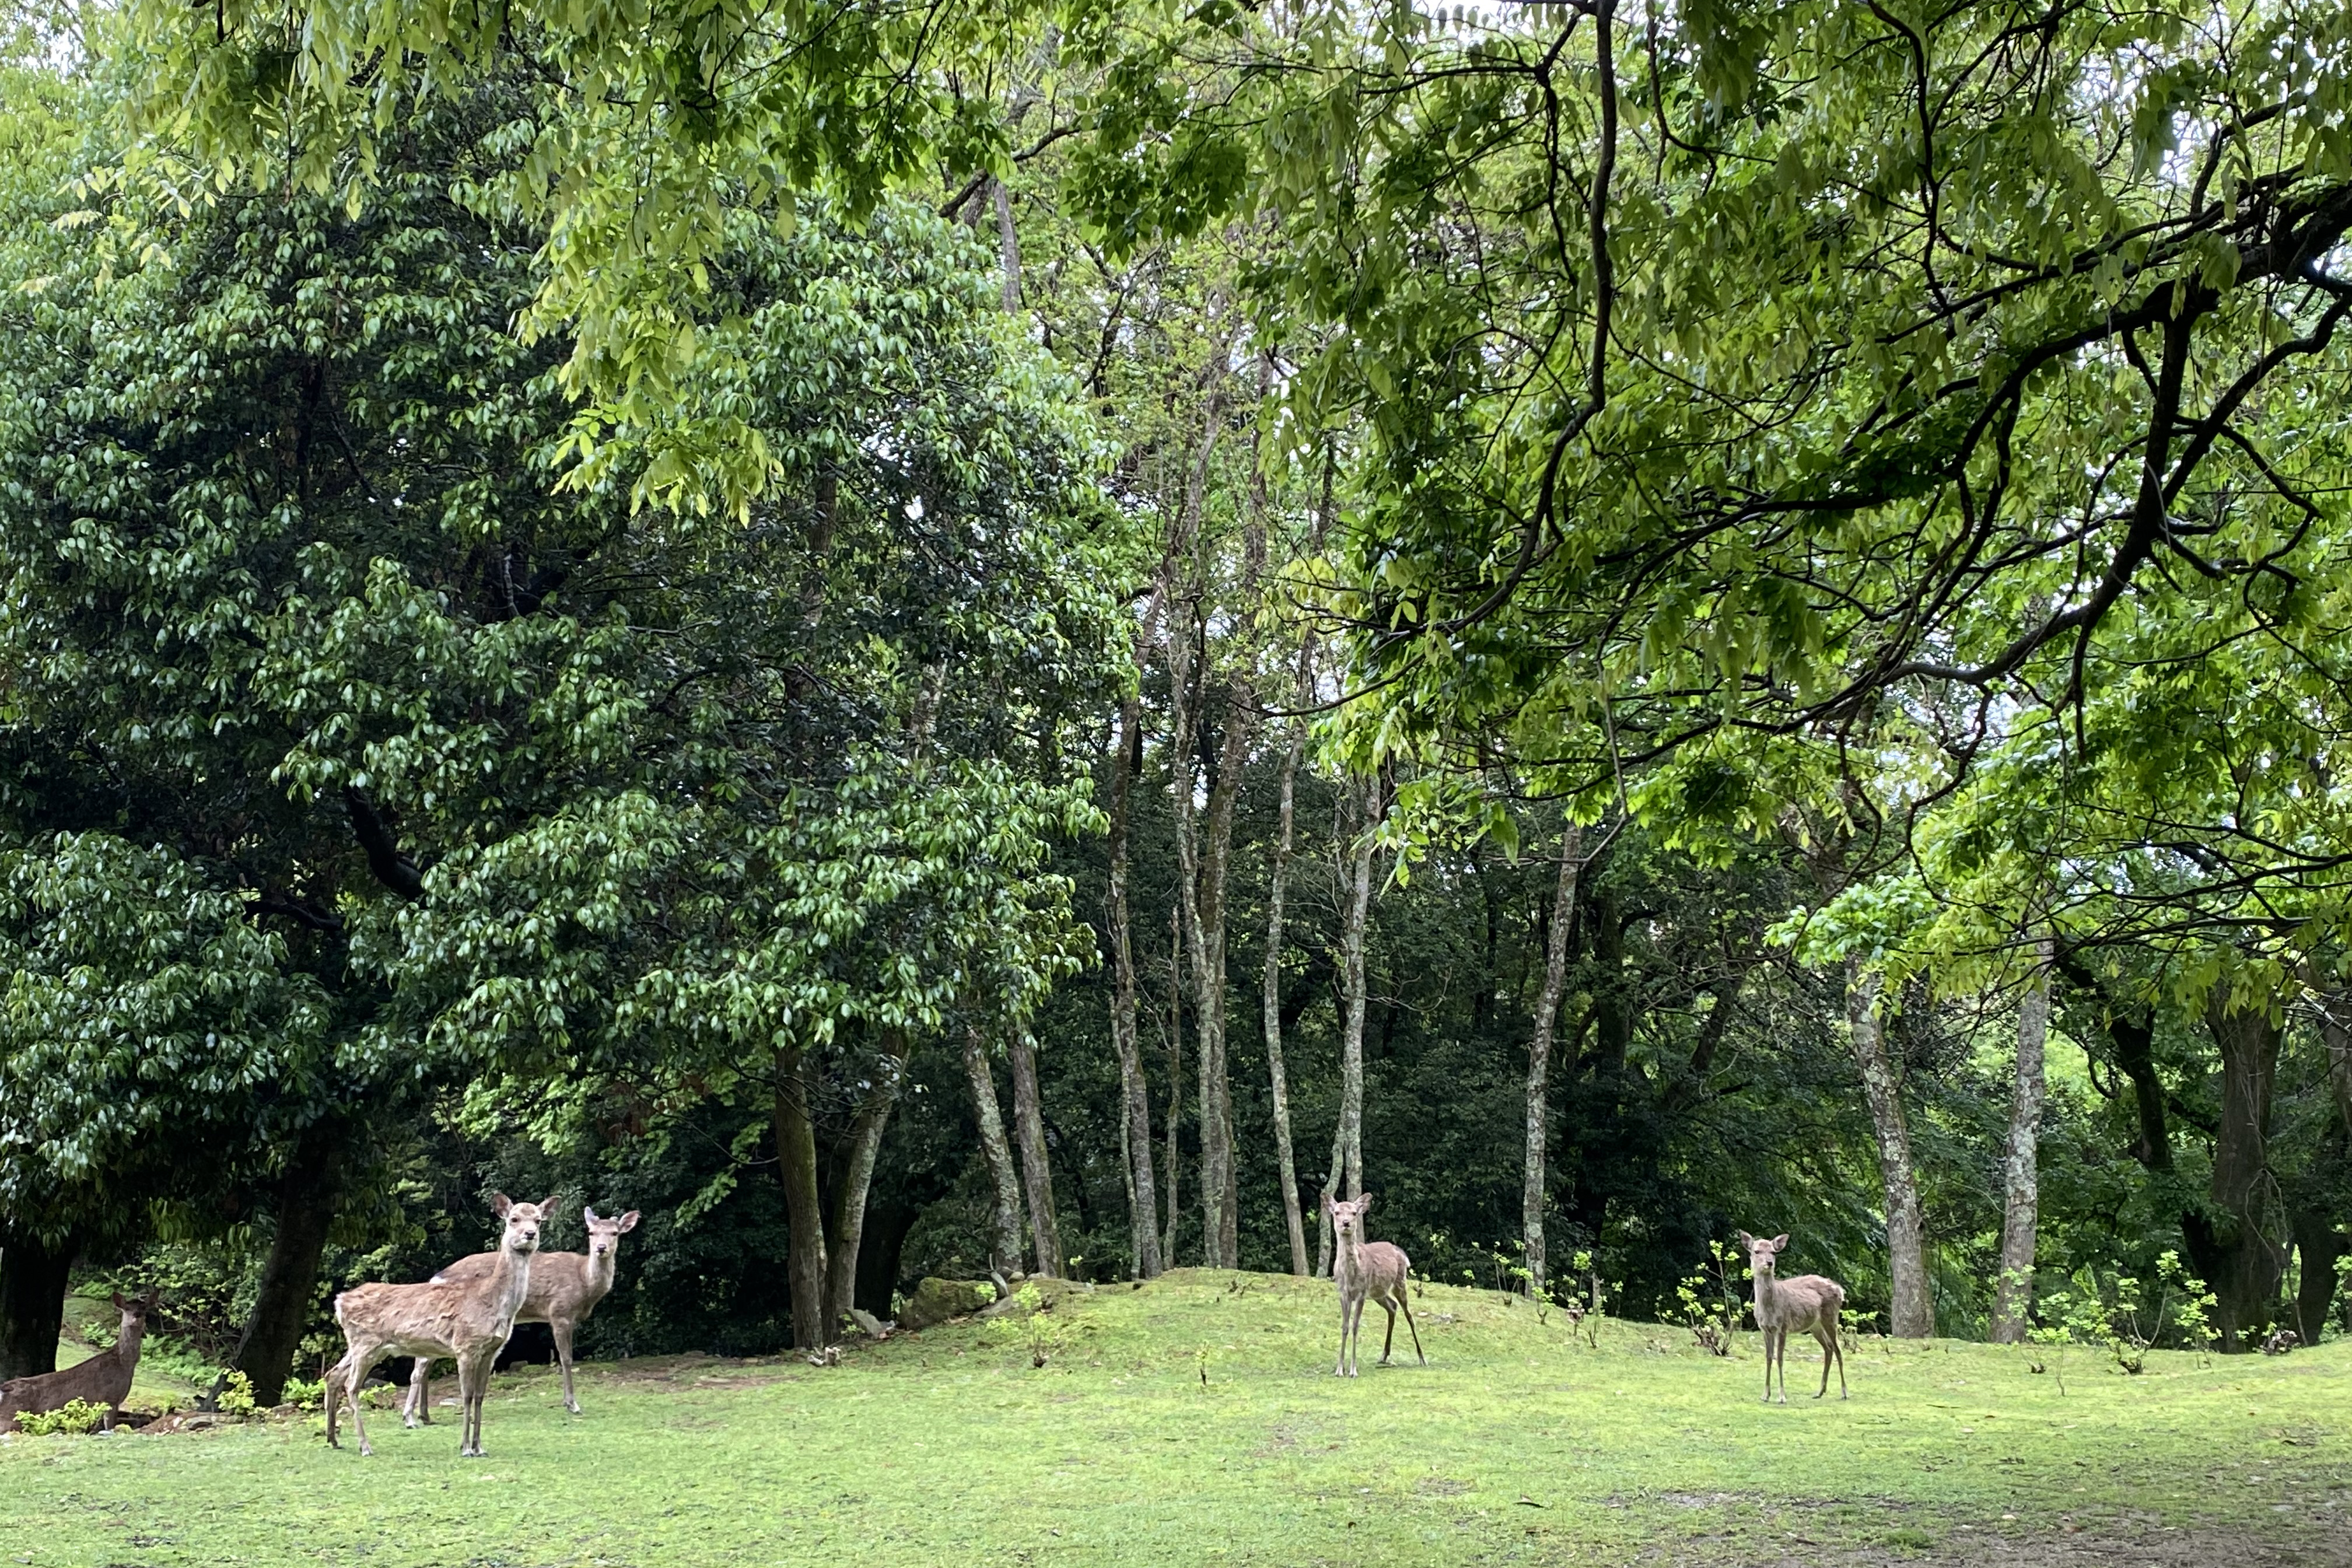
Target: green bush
[[72, 1418]]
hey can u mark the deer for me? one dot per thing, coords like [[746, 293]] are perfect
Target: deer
[[469, 1320], [1366, 1270], [103, 1380], [1808, 1303], [564, 1289]]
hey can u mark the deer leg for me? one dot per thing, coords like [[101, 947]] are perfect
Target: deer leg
[[328, 1394], [356, 1369], [1768, 1363], [1829, 1349], [418, 1412], [467, 1374], [1412, 1328], [1780, 1360], [1837, 1343], [1340, 1368], [1355, 1333], [1387, 1344], [563, 1333]]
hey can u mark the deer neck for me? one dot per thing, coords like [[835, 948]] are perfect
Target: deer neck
[[126, 1344], [1768, 1295], [1348, 1261], [512, 1277], [597, 1277]]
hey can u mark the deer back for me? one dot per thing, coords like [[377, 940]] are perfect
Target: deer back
[[103, 1380], [448, 1317], [563, 1285]]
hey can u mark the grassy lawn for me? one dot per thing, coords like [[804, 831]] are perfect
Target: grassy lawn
[[1517, 1443]]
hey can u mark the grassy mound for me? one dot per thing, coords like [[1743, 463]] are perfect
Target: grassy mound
[[1195, 1420]]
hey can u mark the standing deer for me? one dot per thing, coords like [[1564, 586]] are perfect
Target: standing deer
[[1366, 1269], [469, 1320], [564, 1289], [104, 1380], [1808, 1303]]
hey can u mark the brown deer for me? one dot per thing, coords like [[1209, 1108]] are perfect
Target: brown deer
[[1373, 1270], [564, 1289], [467, 1320], [104, 1380], [1808, 1303]]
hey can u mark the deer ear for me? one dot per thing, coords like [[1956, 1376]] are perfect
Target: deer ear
[[589, 1214], [499, 1203], [1363, 1202], [547, 1207], [629, 1220], [119, 1304], [1780, 1241], [1745, 1239], [1327, 1201]]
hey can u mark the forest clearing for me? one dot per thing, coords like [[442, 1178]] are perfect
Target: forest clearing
[[1519, 1443]]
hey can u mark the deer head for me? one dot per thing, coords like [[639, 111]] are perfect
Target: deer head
[[1348, 1215], [605, 1234], [1763, 1255], [521, 1234]]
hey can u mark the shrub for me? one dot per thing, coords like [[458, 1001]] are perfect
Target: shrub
[[72, 1418]]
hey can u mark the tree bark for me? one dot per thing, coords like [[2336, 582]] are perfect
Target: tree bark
[[1276, 1075], [1134, 1141], [1347, 1176], [1535, 1196], [1175, 1077], [1204, 852], [865, 1129], [997, 1153], [804, 1263], [2237, 1258], [1008, 242], [1912, 1313], [1036, 1170], [33, 1275], [2021, 1171], [308, 1193]]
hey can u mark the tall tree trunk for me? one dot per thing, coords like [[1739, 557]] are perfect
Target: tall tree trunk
[[1347, 1176], [1534, 1197], [1135, 1124], [804, 1262], [1203, 852], [1008, 242], [2237, 1258], [308, 1192], [1278, 1076], [2021, 1171], [1175, 1078], [1036, 1172], [33, 1275], [2318, 1243], [1912, 1315], [865, 1129], [996, 1152]]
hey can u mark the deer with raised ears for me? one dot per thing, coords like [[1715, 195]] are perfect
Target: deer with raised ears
[[564, 1289], [1366, 1271], [104, 1380], [468, 1320], [1806, 1303]]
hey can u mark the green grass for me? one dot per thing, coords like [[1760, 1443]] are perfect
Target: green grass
[[1517, 1443]]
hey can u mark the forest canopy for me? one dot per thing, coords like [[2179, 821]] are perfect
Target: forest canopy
[[1015, 638]]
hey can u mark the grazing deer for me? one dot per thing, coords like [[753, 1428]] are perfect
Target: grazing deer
[[468, 1320], [564, 1289], [1808, 1303], [104, 1380], [1373, 1270]]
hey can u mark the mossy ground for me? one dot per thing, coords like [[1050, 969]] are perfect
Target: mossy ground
[[1196, 1421]]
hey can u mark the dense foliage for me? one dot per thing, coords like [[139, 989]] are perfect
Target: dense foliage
[[1656, 622]]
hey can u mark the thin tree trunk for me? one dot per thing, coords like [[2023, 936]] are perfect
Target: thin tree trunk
[[33, 1275], [865, 1131], [1912, 1315], [1352, 965], [804, 1262], [308, 1192], [998, 1154], [1534, 1197], [1008, 240], [1276, 1075], [1036, 1172], [2021, 1175], [1175, 1077], [1135, 1124]]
